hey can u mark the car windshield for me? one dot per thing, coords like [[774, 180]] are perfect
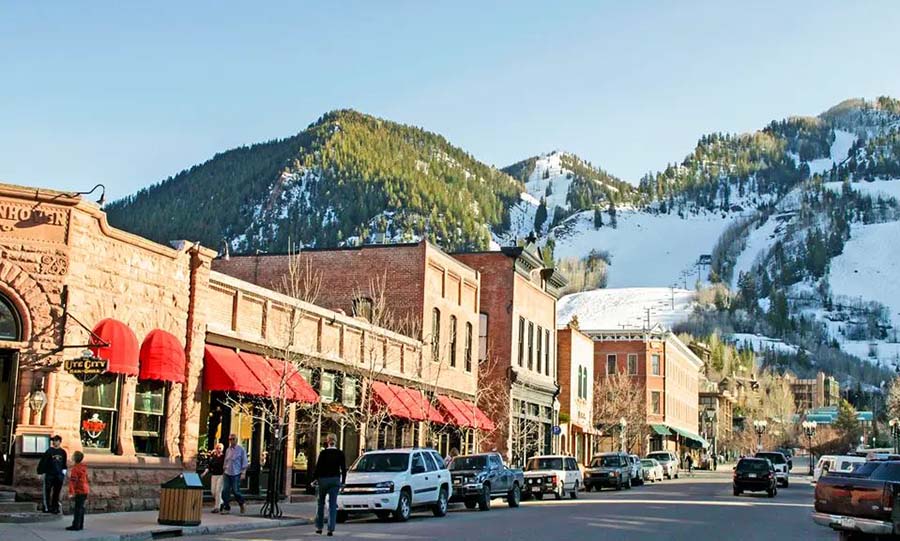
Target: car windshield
[[662, 457], [382, 462], [756, 466], [469, 463], [605, 462], [775, 458], [648, 462], [544, 464]]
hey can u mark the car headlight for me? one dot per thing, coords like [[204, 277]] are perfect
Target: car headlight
[[384, 487]]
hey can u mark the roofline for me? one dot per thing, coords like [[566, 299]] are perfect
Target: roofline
[[332, 249]]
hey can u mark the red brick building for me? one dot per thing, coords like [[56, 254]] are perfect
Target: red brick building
[[517, 348]]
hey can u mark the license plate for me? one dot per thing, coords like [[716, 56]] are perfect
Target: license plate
[[847, 522], [751, 475], [535, 488]]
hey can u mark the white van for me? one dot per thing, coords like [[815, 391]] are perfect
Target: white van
[[836, 463]]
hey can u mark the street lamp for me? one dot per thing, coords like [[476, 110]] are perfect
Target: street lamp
[[809, 428], [895, 432], [760, 428], [622, 424]]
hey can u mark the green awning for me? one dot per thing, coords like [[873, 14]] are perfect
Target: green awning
[[661, 430], [693, 440]]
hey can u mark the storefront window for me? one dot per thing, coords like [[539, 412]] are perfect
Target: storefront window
[[149, 417], [9, 321], [99, 406], [349, 392], [326, 387]]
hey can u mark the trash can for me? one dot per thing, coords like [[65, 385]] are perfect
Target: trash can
[[181, 500]]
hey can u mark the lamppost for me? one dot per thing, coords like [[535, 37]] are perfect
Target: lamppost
[[895, 432], [622, 425], [809, 428], [760, 428]]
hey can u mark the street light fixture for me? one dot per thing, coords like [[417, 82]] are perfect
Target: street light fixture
[[809, 428], [760, 428], [622, 425], [895, 432]]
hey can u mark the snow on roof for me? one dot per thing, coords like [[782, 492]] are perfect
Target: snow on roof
[[610, 309]]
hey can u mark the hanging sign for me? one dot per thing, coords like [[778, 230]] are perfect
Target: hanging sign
[[86, 369]]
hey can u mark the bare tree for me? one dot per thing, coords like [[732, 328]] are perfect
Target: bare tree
[[617, 397]]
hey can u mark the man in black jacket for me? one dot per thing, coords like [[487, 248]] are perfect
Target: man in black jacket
[[53, 465], [330, 473]]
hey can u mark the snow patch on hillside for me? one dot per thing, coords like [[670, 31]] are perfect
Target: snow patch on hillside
[[762, 344], [647, 249], [840, 148], [867, 268], [605, 309], [759, 241], [548, 172], [883, 188]]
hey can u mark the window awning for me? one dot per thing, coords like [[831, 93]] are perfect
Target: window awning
[[162, 357], [248, 373], [406, 403], [698, 441], [122, 350], [661, 430], [464, 414]]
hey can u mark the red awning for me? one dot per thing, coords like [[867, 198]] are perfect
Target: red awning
[[122, 351], [162, 357], [464, 414], [406, 403], [248, 373]]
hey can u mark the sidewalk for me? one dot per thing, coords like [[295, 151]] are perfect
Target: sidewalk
[[141, 525]]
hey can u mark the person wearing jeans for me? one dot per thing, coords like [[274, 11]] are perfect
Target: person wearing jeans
[[330, 474], [235, 467], [78, 489]]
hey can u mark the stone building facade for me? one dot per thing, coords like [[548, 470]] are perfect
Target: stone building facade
[[518, 349]]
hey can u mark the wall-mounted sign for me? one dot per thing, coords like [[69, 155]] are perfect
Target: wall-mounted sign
[[29, 221], [86, 369]]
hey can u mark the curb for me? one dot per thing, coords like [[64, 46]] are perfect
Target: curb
[[201, 530]]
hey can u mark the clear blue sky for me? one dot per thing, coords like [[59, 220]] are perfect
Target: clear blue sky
[[128, 95]]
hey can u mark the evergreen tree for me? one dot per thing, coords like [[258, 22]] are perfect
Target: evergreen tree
[[598, 218], [847, 424], [540, 216]]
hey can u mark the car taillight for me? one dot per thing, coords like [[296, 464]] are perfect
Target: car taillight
[[771, 475], [887, 499]]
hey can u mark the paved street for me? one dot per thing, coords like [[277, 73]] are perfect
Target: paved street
[[685, 509]]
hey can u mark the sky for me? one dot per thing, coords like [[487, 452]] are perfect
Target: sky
[[127, 94]]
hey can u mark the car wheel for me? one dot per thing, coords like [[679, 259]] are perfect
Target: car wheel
[[404, 506], [628, 484], [470, 503], [514, 496], [619, 484], [484, 501], [574, 492], [737, 491], [787, 482], [560, 491], [383, 515], [440, 508], [589, 487], [676, 475], [341, 517]]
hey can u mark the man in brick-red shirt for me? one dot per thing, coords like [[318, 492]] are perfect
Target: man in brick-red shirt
[[78, 488]]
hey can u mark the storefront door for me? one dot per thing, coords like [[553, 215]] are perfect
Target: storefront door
[[8, 373]]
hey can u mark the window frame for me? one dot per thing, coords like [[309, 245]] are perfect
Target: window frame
[[6, 304], [656, 402], [547, 357], [521, 354], [540, 349], [632, 362], [163, 387], [531, 345], [436, 334], [483, 329], [655, 364], [468, 347], [453, 341], [615, 364], [112, 412]]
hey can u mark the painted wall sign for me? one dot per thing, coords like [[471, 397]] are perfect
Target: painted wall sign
[[30, 221]]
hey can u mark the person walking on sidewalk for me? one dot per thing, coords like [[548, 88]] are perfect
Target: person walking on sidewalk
[[234, 469], [53, 466], [690, 464], [330, 474], [78, 489], [216, 469]]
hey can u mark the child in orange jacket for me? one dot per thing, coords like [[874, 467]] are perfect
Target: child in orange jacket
[[78, 488]]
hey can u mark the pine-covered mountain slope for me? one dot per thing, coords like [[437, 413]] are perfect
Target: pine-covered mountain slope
[[348, 176]]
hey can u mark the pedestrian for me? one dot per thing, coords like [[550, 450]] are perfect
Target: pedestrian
[[454, 452], [690, 464], [330, 474], [715, 461], [216, 469], [234, 468], [53, 466], [78, 489]]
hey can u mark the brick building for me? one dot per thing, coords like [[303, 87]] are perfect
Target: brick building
[[667, 372], [716, 414], [818, 392], [143, 357], [575, 370], [517, 348]]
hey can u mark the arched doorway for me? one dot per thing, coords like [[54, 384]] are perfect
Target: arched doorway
[[10, 331]]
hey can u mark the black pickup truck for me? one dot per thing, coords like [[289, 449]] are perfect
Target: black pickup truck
[[478, 478], [865, 501]]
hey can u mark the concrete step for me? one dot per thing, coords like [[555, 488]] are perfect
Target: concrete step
[[21, 518], [302, 497], [18, 507], [7, 496]]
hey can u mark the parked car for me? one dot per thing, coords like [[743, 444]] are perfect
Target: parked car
[[782, 466], [394, 482], [653, 470], [552, 474], [836, 464], [637, 470], [862, 502], [608, 470], [478, 478], [669, 462], [755, 475]]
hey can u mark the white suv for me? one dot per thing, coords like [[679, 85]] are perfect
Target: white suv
[[782, 466], [552, 474], [668, 461], [394, 482]]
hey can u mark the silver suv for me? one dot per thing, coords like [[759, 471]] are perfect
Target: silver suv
[[668, 461]]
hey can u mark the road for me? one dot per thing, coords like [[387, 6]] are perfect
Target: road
[[688, 509]]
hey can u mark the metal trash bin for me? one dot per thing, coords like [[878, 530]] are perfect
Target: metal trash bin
[[181, 500]]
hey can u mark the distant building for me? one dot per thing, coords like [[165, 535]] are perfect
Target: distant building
[[819, 392], [716, 415], [575, 369]]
